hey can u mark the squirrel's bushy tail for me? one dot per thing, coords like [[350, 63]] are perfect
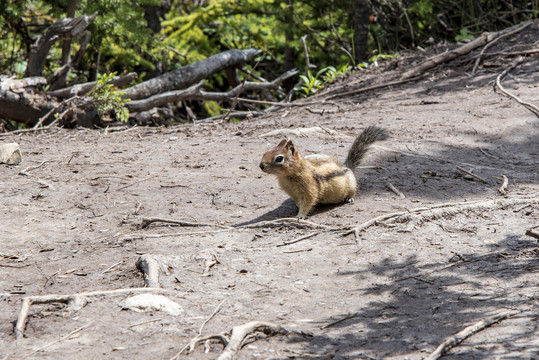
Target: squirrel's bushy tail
[[361, 145]]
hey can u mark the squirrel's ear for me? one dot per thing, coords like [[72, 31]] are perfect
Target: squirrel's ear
[[290, 146], [283, 142]]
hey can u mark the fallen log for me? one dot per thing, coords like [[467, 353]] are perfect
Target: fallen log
[[190, 74], [82, 89], [195, 93]]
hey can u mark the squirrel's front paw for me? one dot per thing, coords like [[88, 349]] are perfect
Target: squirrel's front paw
[[301, 216]]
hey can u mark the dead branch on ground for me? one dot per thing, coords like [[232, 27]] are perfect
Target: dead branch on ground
[[441, 210], [532, 233], [478, 60], [340, 320], [11, 84], [396, 191], [195, 93], [209, 256], [374, 87], [534, 109], [471, 174], [149, 265], [39, 123], [290, 222], [456, 339], [239, 333], [74, 302], [452, 54], [26, 172], [200, 339], [132, 236], [301, 238], [64, 337], [147, 221], [233, 114], [84, 88], [505, 182]]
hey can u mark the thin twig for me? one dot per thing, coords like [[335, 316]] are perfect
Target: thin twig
[[391, 187], [143, 323], [158, 236], [456, 339], [65, 337], [199, 338], [471, 174], [43, 118], [136, 182], [284, 104], [147, 221], [30, 168], [306, 51], [298, 239], [374, 87], [112, 267], [211, 316], [534, 109], [346, 317]]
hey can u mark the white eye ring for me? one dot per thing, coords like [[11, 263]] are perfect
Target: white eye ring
[[279, 159]]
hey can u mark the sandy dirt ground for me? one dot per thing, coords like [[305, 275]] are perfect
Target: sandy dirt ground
[[456, 254]]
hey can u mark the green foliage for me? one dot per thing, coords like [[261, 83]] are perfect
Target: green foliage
[[106, 97], [312, 83], [333, 73], [464, 35], [270, 25], [407, 23], [122, 41]]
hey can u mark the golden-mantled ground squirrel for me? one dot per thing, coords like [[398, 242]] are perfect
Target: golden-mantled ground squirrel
[[318, 179]]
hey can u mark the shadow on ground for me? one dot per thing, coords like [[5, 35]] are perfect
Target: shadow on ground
[[433, 301]]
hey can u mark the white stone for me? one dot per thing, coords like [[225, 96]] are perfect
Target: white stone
[[151, 302], [10, 154]]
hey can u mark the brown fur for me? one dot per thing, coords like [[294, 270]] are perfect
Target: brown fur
[[316, 179]]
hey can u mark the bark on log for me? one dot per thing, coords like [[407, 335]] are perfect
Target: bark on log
[[61, 29], [23, 107], [82, 89], [190, 74], [9, 84], [194, 93]]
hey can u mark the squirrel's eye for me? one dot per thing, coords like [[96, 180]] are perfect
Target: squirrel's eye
[[279, 159]]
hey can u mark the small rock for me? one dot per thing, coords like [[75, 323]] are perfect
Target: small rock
[[10, 154], [151, 302]]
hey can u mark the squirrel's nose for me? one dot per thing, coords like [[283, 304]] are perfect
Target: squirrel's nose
[[261, 166]]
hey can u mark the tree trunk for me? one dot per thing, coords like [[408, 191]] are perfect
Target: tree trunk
[[190, 74], [66, 46], [62, 28], [360, 21]]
